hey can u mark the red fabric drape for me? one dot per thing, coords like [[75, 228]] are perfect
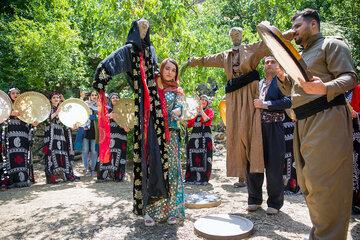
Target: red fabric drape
[[355, 101], [146, 103], [104, 129]]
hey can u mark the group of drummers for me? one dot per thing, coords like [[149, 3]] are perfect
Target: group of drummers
[[16, 165], [17, 129]]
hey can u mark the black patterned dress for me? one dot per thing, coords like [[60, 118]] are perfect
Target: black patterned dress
[[58, 151], [353, 97], [17, 153], [199, 150], [115, 169], [3, 172], [289, 170]]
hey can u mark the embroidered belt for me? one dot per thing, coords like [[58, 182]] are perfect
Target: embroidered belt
[[318, 105], [237, 83], [271, 117]]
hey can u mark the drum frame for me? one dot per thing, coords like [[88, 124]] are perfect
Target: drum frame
[[81, 102], [6, 98], [287, 46], [46, 101]]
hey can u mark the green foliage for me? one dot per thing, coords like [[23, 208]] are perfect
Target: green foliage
[[56, 45], [338, 17], [41, 52]]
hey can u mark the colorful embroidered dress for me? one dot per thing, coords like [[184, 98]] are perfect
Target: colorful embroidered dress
[[199, 150], [58, 150], [164, 208]]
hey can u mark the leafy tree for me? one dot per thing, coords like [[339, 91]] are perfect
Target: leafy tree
[[41, 52], [57, 44], [338, 17]]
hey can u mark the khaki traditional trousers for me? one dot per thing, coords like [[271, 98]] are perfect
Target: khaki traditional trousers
[[323, 153]]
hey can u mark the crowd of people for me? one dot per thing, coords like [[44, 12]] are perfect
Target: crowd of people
[[316, 154]]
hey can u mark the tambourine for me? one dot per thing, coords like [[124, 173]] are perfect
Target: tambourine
[[190, 107], [125, 110], [32, 106], [5, 106], [284, 52], [74, 111]]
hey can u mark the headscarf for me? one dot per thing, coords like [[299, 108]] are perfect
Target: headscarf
[[110, 105], [206, 98], [172, 86], [12, 88], [53, 94], [134, 36]]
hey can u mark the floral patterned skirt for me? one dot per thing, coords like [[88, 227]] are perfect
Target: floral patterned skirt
[[162, 209]]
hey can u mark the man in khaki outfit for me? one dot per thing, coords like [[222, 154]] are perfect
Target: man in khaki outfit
[[243, 126], [323, 133]]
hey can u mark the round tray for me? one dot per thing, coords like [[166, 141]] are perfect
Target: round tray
[[223, 226]]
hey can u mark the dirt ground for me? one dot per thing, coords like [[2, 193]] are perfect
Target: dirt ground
[[90, 210]]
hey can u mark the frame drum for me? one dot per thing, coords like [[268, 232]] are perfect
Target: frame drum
[[74, 111], [190, 107], [5, 106], [202, 200], [125, 109], [284, 52], [32, 106], [223, 226]]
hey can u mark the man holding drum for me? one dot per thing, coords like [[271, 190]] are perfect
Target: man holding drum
[[323, 130]]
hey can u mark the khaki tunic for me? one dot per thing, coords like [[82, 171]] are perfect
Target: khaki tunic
[[243, 126], [323, 141]]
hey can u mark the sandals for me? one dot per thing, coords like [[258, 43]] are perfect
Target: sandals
[[149, 222], [171, 220]]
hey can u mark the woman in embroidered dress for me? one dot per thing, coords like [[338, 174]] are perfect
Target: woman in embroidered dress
[[199, 149], [170, 208], [58, 149], [115, 169], [18, 147], [87, 139], [353, 97]]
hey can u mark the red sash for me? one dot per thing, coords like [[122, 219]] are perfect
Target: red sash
[[104, 129], [146, 103]]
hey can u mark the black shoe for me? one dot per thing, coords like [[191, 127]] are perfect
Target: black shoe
[[239, 184]]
